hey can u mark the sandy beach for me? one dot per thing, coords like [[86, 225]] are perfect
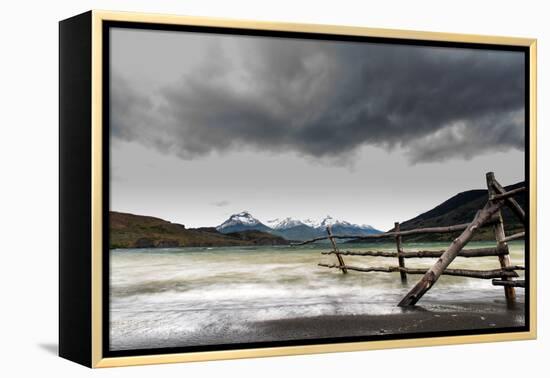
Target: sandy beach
[[439, 318], [413, 321]]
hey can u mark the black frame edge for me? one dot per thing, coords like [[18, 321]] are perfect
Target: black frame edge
[[75, 148]]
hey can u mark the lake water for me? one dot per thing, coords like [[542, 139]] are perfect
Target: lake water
[[161, 297]]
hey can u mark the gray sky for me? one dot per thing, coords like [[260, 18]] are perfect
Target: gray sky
[[203, 126]]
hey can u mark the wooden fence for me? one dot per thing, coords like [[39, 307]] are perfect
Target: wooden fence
[[488, 216]]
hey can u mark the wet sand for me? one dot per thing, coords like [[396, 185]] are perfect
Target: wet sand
[[414, 321], [436, 317]]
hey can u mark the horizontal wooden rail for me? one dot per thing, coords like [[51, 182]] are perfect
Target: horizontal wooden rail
[[507, 194], [508, 272], [477, 252], [514, 283], [427, 230], [519, 235]]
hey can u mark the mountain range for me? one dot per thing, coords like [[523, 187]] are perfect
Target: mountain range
[[135, 231], [293, 229]]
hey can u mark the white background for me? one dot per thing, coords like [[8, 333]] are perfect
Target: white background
[[29, 158]]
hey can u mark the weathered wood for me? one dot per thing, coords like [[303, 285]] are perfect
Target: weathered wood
[[427, 230], [507, 194], [475, 252], [433, 274], [500, 235], [513, 283], [504, 260], [514, 267], [519, 235], [337, 251], [483, 274], [510, 202], [400, 259]]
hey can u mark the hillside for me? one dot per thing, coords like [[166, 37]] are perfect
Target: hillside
[[138, 231], [461, 208]]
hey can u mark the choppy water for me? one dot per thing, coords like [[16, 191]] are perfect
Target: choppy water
[[161, 295]]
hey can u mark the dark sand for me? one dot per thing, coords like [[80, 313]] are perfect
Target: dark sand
[[414, 321], [435, 317]]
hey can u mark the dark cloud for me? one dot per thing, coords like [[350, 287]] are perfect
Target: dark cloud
[[327, 99]]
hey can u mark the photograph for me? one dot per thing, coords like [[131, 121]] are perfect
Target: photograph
[[277, 188]]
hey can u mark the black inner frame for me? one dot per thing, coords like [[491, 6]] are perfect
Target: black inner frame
[[106, 25]]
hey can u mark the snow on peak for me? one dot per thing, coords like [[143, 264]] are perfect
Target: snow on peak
[[272, 222], [365, 226], [322, 223], [331, 221], [242, 218], [281, 224], [312, 223]]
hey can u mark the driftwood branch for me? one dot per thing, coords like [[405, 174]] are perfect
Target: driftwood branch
[[483, 274], [433, 274], [427, 230], [336, 251], [400, 259], [519, 235], [513, 267], [507, 194], [514, 283], [510, 202], [500, 235], [476, 252]]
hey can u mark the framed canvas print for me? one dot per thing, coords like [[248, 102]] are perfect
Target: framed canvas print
[[234, 189]]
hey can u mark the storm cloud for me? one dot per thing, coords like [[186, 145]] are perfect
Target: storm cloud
[[322, 100]]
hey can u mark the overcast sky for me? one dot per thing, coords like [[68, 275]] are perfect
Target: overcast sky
[[206, 125]]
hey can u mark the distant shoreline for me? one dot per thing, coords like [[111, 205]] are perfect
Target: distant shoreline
[[343, 245]]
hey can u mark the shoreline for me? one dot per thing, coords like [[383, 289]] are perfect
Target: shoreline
[[436, 317], [390, 324], [391, 245]]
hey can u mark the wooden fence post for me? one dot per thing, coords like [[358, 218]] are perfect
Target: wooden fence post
[[400, 258], [336, 251], [504, 260], [433, 274]]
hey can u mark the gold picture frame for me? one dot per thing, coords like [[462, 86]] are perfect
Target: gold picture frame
[[90, 329]]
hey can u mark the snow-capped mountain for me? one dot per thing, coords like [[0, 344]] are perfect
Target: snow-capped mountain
[[282, 224], [330, 221], [294, 229], [313, 223], [338, 226], [241, 222]]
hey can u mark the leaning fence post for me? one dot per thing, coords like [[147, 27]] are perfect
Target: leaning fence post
[[432, 275], [336, 251], [512, 204], [498, 228], [400, 257]]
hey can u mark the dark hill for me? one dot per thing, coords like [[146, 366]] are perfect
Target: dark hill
[[462, 208], [138, 231]]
